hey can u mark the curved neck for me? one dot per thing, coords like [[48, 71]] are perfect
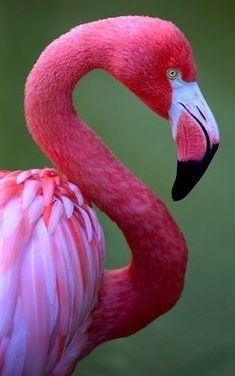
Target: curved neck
[[153, 281], [50, 114]]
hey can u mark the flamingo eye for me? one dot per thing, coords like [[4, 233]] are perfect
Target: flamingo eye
[[172, 74]]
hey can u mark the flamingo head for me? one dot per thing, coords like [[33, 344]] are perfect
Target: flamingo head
[[163, 74]]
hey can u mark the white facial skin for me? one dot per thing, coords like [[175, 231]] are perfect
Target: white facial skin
[[186, 96]]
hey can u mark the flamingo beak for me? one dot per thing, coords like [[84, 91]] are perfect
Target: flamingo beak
[[196, 134]]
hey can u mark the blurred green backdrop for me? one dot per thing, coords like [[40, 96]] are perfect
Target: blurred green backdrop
[[197, 336]]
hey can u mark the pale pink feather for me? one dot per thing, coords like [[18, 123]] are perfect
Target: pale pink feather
[[51, 265]]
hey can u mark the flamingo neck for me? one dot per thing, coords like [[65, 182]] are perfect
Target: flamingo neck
[[135, 295]]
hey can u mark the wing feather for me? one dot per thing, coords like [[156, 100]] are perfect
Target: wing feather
[[51, 265]]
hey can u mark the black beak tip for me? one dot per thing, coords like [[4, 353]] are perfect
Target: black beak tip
[[189, 173], [177, 194]]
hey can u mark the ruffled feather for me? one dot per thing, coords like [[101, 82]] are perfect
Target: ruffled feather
[[51, 265]]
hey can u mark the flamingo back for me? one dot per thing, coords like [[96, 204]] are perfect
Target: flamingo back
[[51, 265]]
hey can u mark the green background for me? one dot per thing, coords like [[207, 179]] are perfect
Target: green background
[[197, 336]]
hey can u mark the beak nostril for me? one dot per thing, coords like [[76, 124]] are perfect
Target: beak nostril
[[201, 113]]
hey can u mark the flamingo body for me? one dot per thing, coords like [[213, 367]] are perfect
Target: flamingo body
[[57, 302], [52, 255]]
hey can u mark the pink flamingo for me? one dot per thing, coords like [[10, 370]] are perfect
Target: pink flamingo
[[56, 300]]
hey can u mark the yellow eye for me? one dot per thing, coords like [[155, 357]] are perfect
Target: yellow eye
[[172, 74]]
